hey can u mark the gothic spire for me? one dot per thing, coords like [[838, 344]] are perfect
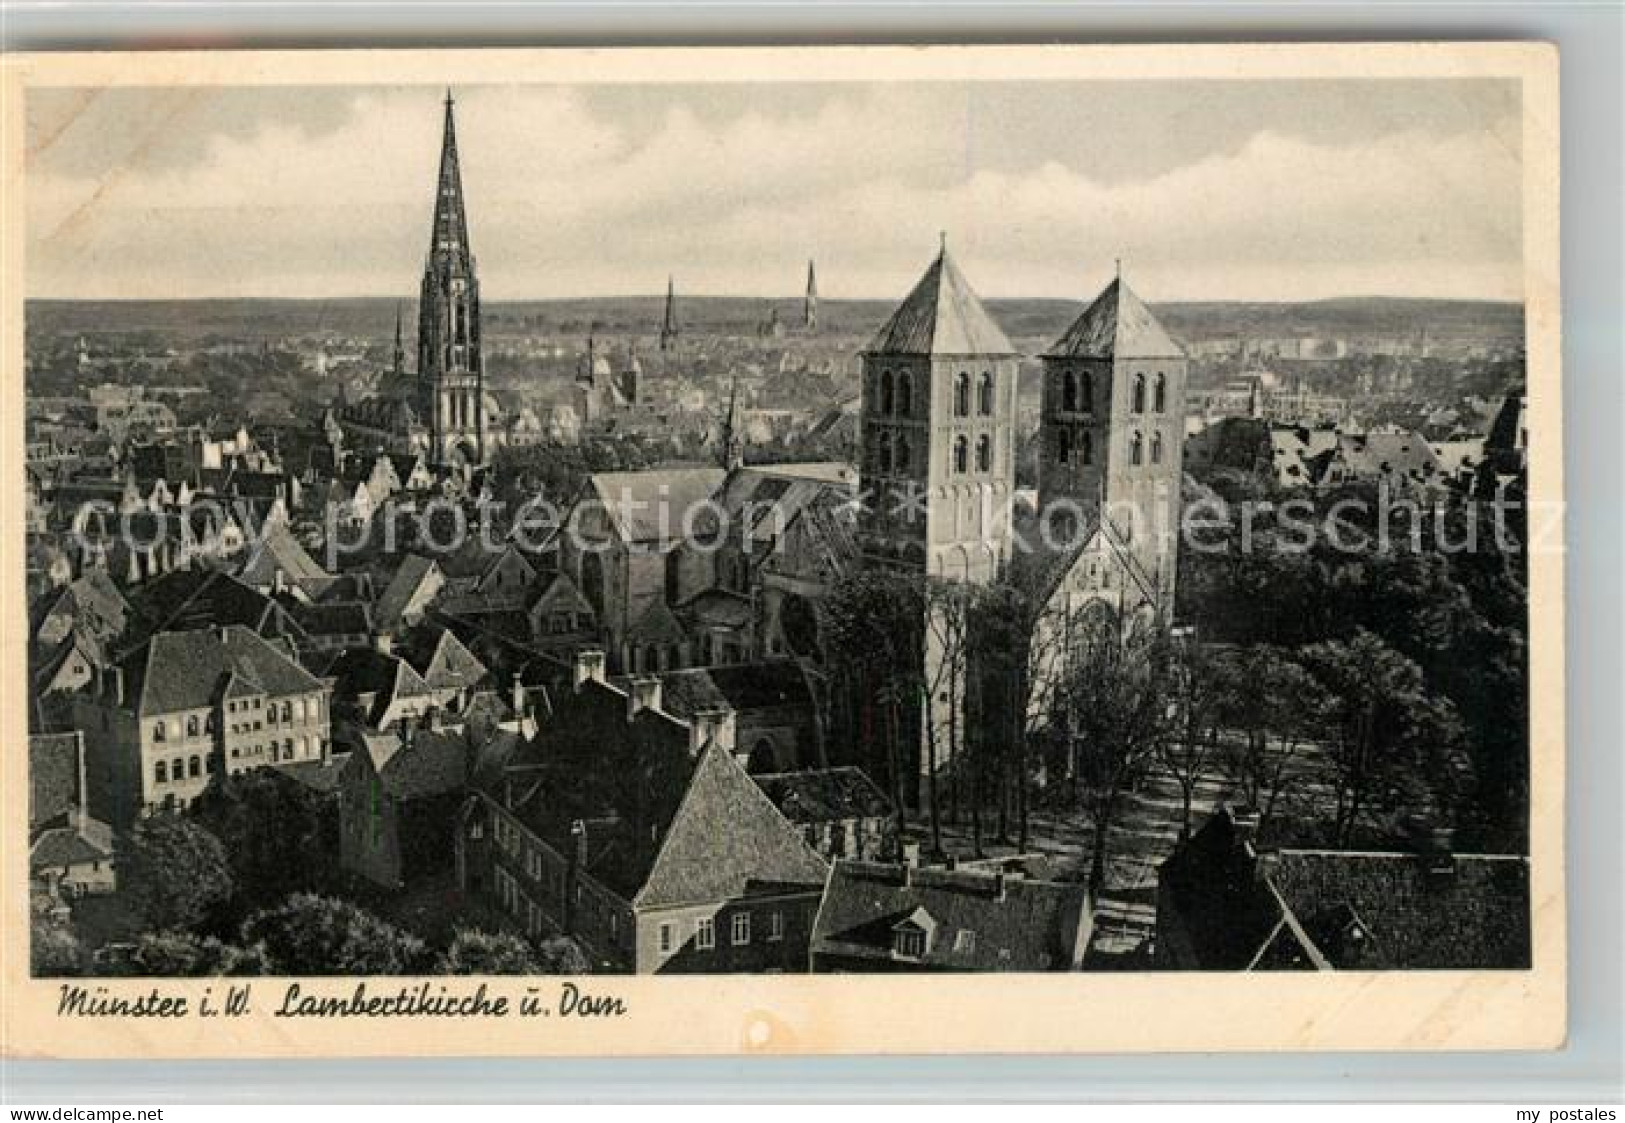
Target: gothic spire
[[450, 234], [400, 345], [732, 448], [809, 307], [668, 326]]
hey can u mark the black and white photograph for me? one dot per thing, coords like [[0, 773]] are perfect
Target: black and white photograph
[[663, 527]]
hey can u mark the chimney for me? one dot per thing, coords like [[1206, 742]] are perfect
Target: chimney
[[911, 855], [517, 696], [642, 694], [716, 724], [589, 666], [384, 642], [118, 685]]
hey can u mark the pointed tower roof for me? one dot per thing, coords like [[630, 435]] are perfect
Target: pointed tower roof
[[1118, 325], [812, 281], [450, 232], [942, 316]]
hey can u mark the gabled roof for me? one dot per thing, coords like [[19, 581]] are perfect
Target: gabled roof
[[413, 573], [280, 552], [175, 671], [726, 841], [941, 316], [983, 922], [1118, 325], [653, 506], [70, 839], [429, 763], [443, 662], [825, 795]]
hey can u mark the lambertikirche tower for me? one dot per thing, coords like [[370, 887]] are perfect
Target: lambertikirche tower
[[451, 369]]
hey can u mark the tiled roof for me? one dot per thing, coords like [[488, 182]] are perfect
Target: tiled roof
[[725, 841], [941, 316], [653, 506], [824, 795], [320, 776], [53, 774], [414, 570], [70, 839], [280, 552], [185, 670], [982, 922], [428, 763], [442, 661], [1118, 325], [1345, 909]]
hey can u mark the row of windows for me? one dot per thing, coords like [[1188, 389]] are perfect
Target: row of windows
[[182, 768], [705, 931], [893, 452], [286, 713], [1078, 392], [897, 395], [1081, 450]]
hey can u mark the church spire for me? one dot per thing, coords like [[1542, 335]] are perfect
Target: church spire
[[668, 326], [450, 233], [809, 307], [733, 438], [400, 345]]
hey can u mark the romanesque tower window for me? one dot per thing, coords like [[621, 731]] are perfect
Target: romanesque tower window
[[883, 452], [902, 453], [1086, 449], [984, 453], [961, 453], [1139, 395], [1159, 395], [984, 395], [888, 399], [962, 395], [1136, 449], [1156, 448], [1069, 392], [905, 394], [1063, 446]]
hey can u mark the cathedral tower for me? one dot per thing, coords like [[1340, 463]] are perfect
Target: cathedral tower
[[1112, 432], [451, 371], [809, 305], [668, 325], [937, 432]]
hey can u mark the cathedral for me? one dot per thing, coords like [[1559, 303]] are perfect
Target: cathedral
[[937, 437], [442, 410]]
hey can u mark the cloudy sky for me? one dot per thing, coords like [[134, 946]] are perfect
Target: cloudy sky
[[1255, 190]]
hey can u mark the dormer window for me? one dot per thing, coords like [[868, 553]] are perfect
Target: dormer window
[[911, 936], [910, 943]]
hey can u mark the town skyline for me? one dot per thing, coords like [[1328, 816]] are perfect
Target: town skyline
[[1346, 190]]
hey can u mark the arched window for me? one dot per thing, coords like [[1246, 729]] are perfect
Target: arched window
[[1063, 446], [984, 394], [191, 726], [962, 395], [905, 394], [1156, 448], [1139, 393], [160, 772], [1086, 448], [1159, 393], [883, 451], [901, 455], [984, 453], [961, 454], [158, 730], [887, 398], [177, 769], [1086, 392], [1136, 449], [1069, 392]]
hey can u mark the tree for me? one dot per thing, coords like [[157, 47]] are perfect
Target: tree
[[1114, 695], [53, 948], [185, 955], [873, 627], [174, 872], [1270, 706], [473, 952], [1187, 753], [276, 833], [1390, 739], [311, 935]]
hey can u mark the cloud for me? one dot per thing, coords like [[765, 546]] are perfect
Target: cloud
[[567, 199]]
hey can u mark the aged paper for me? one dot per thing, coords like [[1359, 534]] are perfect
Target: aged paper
[[859, 424]]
